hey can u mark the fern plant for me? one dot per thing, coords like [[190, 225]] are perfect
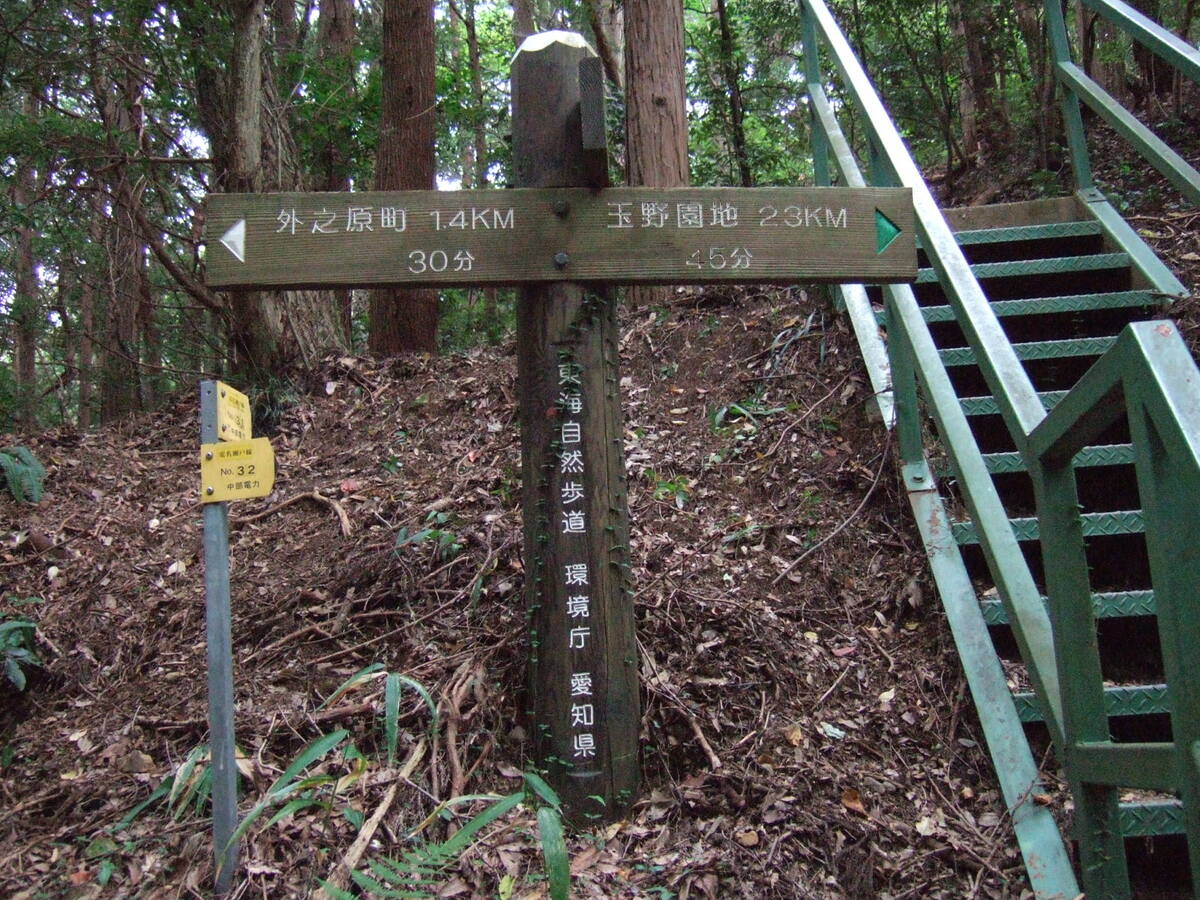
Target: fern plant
[[23, 473], [420, 871]]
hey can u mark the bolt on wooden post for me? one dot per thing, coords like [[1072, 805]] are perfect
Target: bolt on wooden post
[[583, 676]]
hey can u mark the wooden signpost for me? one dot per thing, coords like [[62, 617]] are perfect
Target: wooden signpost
[[619, 235], [563, 234]]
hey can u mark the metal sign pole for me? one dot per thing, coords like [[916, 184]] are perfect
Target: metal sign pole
[[220, 663]]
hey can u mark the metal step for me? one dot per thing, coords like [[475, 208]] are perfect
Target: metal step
[[1046, 305], [1048, 231], [1105, 605], [1126, 700], [1100, 455], [1151, 818], [987, 406], [1094, 346], [1099, 524], [1054, 265]]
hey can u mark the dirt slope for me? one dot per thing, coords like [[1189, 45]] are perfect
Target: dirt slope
[[805, 733]]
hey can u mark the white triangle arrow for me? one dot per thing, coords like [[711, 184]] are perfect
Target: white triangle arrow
[[235, 240]]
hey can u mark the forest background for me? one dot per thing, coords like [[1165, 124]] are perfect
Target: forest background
[[117, 119]]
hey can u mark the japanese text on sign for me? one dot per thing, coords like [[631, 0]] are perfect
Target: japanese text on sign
[[237, 470], [575, 573]]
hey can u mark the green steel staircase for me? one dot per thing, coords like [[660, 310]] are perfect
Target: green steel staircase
[[1048, 425]]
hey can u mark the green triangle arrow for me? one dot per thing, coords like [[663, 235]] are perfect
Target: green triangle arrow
[[886, 231]]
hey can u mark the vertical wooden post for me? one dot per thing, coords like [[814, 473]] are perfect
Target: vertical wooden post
[[583, 690]]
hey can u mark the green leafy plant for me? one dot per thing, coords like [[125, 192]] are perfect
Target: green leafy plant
[[418, 871], [17, 650], [294, 790], [747, 532], [187, 788], [445, 542], [394, 683], [677, 489], [747, 412], [23, 473]]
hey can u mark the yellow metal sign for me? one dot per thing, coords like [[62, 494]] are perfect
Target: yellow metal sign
[[236, 470], [233, 414]]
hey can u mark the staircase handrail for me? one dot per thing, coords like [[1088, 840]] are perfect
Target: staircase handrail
[[1078, 86], [1149, 375], [1019, 404]]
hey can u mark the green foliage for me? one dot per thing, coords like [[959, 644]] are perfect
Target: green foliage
[[18, 650], [746, 414], [419, 870], [474, 317], [394, 684], [23, 474], [446, 544], [293, 781], [82, 123], [747, 533], [766, 34], [677, 489]]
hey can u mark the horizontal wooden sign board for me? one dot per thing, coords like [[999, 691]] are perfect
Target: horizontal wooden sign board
[[617, 235]]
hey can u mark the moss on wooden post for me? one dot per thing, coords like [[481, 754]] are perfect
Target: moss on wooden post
[[583, 691]]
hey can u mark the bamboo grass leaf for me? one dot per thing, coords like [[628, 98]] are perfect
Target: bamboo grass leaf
[[359, 677], [542, 789], [554, 851], [309, 755], [391, 716], [466, 834]]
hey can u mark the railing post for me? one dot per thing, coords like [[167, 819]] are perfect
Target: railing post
[[812, 75], [1060, 48], [880, 177], [904, 387], [1168, 478], [1080, 677]]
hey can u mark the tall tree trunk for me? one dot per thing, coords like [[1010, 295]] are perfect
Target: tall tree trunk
[[1085, 38], [466, 148], [120, 358], [474, 154], [26, 305], [120, 375], [269, 332], [1157, 76], [404, 319], [1112, 64], [477, 98], [523, 22], [336, 40], [87, 318], [148, 332], [608, 25], [981, 100], [730, 70], [655, 114], [286, 41], [1041, 89]]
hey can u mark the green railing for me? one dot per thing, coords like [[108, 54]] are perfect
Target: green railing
[[1150, 377], [1151, 371], [1077, 86]]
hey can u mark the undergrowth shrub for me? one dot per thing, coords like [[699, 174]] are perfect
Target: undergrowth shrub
[[23, 474]]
